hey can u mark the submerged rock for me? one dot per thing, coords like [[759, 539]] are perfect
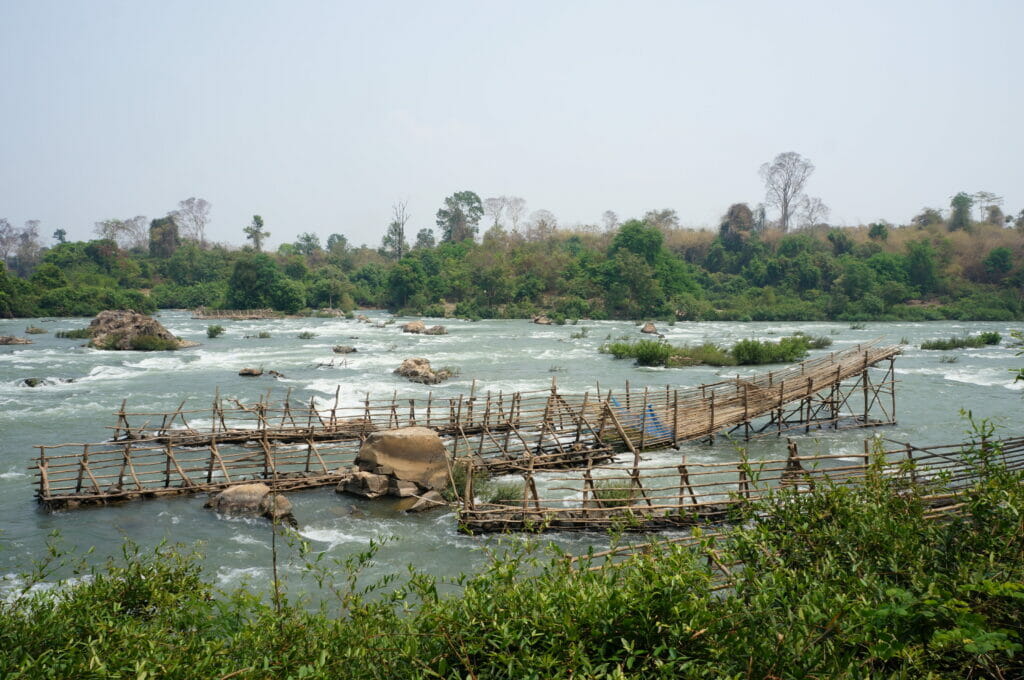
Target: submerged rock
[[252, 500]]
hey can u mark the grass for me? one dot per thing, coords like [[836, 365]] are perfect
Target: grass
[[75, 334], [838, 582], [307, 335], [612, 493], [35, 330], [152, 343], [214, 331], [948, 359], [263, 335], [964, 341], [744, 352]]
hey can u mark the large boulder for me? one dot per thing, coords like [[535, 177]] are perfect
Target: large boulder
[[436, 330], [418, 370], [414, 327], [542, 320], [649, 327], [124, 330], [252, 500], [408, 454]]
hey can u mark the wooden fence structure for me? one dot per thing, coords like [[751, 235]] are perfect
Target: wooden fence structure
[[675, 496], [295, 445]]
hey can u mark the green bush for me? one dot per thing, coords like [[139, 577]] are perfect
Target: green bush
[[754, 352], [964, 341], [307, 335], [152, 343], [214, 331], [75, 334]]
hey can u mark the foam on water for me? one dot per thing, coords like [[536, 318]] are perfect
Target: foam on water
[[332, 537]]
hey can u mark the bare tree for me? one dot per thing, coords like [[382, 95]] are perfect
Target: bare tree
[[127, 234], [542, 225], [663, 219], [784, 180], [28, 250], [8, 240], [984, 200], [192, 216], [394, 244], [813, 212], [515, 208], [494, 207], [610, 220]]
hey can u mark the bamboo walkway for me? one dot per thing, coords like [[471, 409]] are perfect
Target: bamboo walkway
[[672, 497], [292, 445]]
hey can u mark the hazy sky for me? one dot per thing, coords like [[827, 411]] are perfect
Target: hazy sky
[[319, 115]]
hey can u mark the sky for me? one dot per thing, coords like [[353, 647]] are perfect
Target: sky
[[319, 116]]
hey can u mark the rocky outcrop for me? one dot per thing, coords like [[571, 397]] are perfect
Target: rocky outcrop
[[414, 327], [420, 371], [404, 463], [649, 327], [127, 330], [252, 500], [436, 330], [343, 349], [14, 340], [542, 320]]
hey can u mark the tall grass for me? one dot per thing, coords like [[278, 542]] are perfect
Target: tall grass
[[964, 341], [745, 352]]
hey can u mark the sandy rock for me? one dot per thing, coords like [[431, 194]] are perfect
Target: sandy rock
[[436, 330], [119, 329], [343, 349], [418, 370], [414, 327], [413, 454], [252, 499], [14, 340], [542, 320], [649, 327], [367, 484], [428, 501], [251, 372]]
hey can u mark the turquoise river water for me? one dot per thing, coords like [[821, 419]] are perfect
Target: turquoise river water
[[498, 355]]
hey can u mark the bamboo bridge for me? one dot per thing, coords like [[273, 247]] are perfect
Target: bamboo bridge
[[293, 446]]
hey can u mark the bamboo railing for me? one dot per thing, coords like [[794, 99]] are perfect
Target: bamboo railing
[[659, 497]]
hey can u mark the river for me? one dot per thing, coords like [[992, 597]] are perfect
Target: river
[[498, 355]]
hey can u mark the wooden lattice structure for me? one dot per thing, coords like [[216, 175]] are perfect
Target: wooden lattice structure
[[236, 314], [297, 445], [664, 497]]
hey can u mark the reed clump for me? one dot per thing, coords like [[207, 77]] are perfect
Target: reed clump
[[964, 341]]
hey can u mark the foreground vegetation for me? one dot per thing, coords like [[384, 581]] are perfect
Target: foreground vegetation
[[649, 268], [838, 583]]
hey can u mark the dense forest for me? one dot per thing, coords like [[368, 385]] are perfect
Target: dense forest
[[492, 262]]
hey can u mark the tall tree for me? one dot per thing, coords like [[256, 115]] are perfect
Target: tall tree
[[960, 218], [985, 200], [60, 235], [307, 243], [494, 207], [609, 220], [460, 217], [127, 234], [255, 233], [813, 211], [736, 225], [8, 240], [192, 216], [663, 219], [424, 239], [393, 244], [784, 180], [163, 237], [515, 208], [542, 225]]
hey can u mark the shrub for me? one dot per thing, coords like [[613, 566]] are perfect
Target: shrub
[[263, 335], [152, 343], [35, 330], [214, 331], [307, 335], [504, 492], [75, 334], [964, 342], [613, 493], [752, 352]]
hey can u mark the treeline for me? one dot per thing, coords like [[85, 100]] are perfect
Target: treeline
[[933, 268]]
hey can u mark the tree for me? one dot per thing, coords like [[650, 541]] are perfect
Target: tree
[[254, 232], [813, 212], [192, 216], [163, 237], [784, 180], [994, 215], [663, 219], [639, 238], [28, 251], [985, 200], [998, 263], [927, 217], [307, 243], [424, 239], [60, 235], [460, 216], [337, 244], [737, 223], [878, 232], [961, 215], [610, 220], [542, 225], [127, 234], [494, 207], [515, 208], [393, 244], [8, 240]]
